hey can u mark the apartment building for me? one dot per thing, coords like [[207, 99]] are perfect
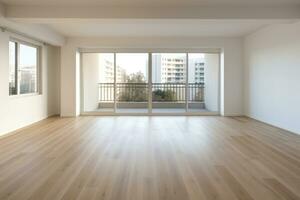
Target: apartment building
[[106, 70], [170, 69]]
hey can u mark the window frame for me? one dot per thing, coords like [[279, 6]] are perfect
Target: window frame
[[38, 48]]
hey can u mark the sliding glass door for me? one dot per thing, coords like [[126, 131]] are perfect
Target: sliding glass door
[[98, 77], [169, 82], [156, 83], [132, 82], [196, 82], [203, 82]]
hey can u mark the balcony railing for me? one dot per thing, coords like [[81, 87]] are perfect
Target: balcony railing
[[161, 92]]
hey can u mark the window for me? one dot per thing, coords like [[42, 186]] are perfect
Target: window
[[23, 68], [12, 68]]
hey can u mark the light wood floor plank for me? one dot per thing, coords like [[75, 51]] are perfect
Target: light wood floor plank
[[150, 158]]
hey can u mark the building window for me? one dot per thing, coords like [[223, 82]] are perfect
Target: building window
[[23, 68]]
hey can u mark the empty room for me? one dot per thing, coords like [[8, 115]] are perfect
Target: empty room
[[149, 100]]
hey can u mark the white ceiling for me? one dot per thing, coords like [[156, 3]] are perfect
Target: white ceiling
[[159, 27], [76, 25], [148, 2]]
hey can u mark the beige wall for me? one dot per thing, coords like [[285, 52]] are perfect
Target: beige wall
[[18, 111], [231, 84], [2, 10]]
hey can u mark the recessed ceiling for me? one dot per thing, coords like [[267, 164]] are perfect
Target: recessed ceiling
[[148, 2], [160, 27]]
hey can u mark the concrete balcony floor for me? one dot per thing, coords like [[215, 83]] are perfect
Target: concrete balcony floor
[[157, 108]]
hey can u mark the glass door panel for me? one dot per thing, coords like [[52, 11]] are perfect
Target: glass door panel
[[168, 82], [98, 82], [132, 82], [203, 82]]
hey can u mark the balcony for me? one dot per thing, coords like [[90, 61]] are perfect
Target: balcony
[[166, 97]]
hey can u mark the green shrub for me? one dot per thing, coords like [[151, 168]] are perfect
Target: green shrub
[[163, 95]]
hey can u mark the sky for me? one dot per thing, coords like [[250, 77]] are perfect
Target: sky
[[132, 62], [28, 56], [196, 55], [138, 62]]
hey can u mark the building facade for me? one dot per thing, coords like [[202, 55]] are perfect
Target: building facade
[[106, 70], [170, 69]]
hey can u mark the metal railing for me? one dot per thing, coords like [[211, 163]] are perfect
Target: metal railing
[[106, 92], [161, 92]]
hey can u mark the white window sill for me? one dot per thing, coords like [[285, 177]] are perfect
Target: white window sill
[[24, 95]]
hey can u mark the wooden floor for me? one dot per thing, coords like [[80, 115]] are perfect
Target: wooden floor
[[150, 158]]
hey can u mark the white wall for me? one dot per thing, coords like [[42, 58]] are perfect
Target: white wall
[[90, 75], [53, 79], [78, 63], [272, 76], [231, 86], [37, 31], [68, 81], [16, 112], [211, 91], [222, 82]]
